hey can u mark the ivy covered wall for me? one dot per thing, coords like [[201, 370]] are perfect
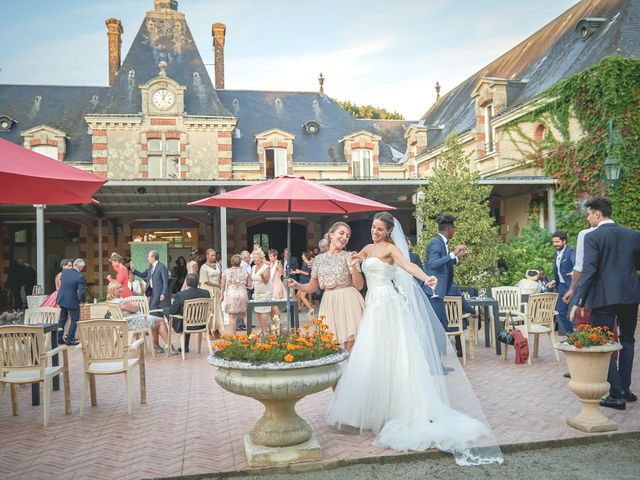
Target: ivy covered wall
[[607, 92]]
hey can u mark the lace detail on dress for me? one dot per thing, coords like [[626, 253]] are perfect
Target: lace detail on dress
[[332, 271]]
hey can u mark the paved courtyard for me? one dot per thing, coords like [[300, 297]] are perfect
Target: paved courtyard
[[191, 426]]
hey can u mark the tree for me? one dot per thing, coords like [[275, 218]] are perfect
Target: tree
[[369, 111], [454, 189], [530, 250]]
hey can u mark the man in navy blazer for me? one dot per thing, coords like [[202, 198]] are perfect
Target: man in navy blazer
[[610, 287], [563, 262], [71, 294], [157, 280], [439, 262]]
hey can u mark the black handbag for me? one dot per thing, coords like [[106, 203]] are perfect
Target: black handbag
[[506, 337]]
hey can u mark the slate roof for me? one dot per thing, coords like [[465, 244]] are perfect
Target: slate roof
[[168, 39], [58, 107], [550, 55], [258, 111]]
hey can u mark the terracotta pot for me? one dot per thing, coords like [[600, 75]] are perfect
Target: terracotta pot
[[279, 386], [588, 367]]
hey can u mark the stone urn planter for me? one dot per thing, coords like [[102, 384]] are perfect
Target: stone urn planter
[[280, 436], [588, 367]]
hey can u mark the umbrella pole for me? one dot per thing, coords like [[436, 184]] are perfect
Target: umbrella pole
[[288, 260], [39, 245]]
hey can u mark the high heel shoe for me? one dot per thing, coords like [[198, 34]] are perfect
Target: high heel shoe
[[160, 350]]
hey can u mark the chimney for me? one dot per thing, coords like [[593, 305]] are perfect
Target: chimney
[[114, 32], [165, 5], [218, 31]]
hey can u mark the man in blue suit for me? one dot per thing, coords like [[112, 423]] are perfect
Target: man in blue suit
[[439, 262], [157, 279], [71, 294], [610, 287], [563, 262]]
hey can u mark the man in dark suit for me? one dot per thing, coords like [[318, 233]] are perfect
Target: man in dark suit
[[439, 262], [71, 294], [563, 262], [415, 259], [157, 280], [177, 307], [610, 287], [290, 264]]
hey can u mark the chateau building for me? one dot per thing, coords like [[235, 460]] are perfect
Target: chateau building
[[164, 134]]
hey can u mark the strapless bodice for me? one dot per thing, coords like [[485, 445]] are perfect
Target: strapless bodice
[[377, 272]]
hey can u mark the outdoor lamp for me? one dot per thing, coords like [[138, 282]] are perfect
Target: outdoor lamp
[[612, 168]]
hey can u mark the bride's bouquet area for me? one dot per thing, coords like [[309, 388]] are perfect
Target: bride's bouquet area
[[588, 336], [310, 342]]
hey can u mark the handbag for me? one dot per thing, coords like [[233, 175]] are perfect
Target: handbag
[[506, 337]]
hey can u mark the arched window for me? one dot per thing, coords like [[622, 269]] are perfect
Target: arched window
[[538, 132]]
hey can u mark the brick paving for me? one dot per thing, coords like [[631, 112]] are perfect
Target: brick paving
[[191, 426]]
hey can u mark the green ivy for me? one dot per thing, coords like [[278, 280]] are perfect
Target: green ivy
[[607, 91]]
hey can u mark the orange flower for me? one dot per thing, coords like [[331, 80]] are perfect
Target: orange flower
[[288, 358], [578, 345]]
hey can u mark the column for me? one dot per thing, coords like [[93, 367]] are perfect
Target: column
[[551, 208], [39, 245], [100, 261]]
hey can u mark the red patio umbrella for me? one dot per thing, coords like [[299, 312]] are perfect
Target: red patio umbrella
[[289, 194], [26, 177]]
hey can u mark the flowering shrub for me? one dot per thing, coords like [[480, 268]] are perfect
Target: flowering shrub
[[310, 342], [588, 336]]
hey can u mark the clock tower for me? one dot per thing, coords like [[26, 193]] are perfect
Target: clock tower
[[162, 96]]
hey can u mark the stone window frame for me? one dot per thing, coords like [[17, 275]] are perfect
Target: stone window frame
[[164, 137], [362, 139], [273, 139], [45, 135]]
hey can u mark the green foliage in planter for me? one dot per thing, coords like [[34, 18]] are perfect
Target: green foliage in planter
[[607, 91], [454, 189], [531, 249]]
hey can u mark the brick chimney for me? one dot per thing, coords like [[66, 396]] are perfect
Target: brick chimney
[[165, 5], [218, 31], [114, 32]]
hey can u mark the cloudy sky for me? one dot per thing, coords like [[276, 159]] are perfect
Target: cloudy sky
[[386, 53]]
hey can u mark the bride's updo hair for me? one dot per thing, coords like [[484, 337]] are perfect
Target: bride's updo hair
[[387, 219], [334, 227]]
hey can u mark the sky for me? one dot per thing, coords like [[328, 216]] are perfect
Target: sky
[[386, 53]]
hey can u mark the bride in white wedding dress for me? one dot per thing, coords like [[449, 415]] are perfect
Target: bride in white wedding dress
[[403, 380]]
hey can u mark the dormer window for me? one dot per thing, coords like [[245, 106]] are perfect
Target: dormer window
[[50, 151], [488, 129], [275, 162], [361, 163]]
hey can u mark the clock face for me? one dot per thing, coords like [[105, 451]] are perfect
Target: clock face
[[163, 99]]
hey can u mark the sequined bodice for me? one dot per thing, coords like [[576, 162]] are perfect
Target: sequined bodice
[[377, 272], [332, 271]]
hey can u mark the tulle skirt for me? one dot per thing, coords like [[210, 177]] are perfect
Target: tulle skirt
[[343, 309], [388, 388]]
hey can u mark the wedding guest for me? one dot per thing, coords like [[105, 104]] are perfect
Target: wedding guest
[[65, 264], [135, 319], [210, 274], [177, 307], [122, 274], [234, 293], [304, 275], [157, 280], [278, 290], [260, 274], [245, 264], [529, 285], [342, 304], [563, 261], [193, 266], [135, 285], [323, 245], [179, 272], [71, 296], [30, 278]]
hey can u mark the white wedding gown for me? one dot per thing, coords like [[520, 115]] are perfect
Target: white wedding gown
[[393, 384]]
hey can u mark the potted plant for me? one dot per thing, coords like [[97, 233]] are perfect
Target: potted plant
[[278, 368], [588, 352]]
